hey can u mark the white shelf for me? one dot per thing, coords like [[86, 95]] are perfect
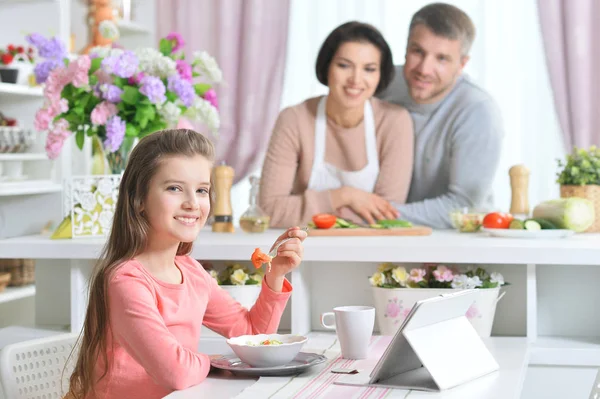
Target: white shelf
[[24, 157], [21, 90], [29, 187], [565, 351], [13, 293], [128, 27]]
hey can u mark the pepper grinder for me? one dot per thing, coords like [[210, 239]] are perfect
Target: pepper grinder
[[519, 184], [223, 215]]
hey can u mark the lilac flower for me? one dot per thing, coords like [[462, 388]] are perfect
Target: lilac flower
[[154, 89], [115, 132], [123, 65], [184, 69], [182, 88], [47, 48], [111, 93], [178, 39], [43, 69]]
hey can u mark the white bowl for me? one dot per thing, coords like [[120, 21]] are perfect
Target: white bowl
[[249, 350]]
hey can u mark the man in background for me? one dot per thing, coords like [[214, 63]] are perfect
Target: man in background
[[458, 128]]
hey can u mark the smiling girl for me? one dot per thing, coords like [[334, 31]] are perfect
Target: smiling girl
[[148, 298], [345, 153]]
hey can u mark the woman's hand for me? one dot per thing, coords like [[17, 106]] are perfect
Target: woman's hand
[[289, 257], [370, 207]]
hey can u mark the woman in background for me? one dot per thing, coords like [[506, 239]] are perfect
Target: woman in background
[[346, 153]]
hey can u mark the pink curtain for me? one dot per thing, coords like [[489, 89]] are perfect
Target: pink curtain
[[570, 30], [248, 39]]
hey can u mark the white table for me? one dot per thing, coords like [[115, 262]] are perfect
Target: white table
[[510, 353], [63, 267]]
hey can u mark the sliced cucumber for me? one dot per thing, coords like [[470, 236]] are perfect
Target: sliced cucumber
[[339, 222], [516, 224], [394, 223], [546, 225], [532, 225]]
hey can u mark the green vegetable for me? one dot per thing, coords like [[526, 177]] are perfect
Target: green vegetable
[[582, 167], [516, 224], [546, 225], [532, 225], [344, 224], [572, 213], [393, 223]]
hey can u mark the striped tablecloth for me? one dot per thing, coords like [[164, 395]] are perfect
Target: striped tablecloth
[[318, 382]]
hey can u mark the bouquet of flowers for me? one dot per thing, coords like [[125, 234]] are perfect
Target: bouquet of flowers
[[237, 274], [389, 275], [116, 95]]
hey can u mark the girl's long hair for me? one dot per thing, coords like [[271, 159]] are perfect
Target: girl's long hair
[[127, 239]]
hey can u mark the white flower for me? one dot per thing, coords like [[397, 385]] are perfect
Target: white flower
[[105, 219], [400, 275], [170, 112], [105, 186], [239, 277], [384, 267], [203, 111], [154, 63], [497, 278], [377, 279], [88, 201], [214, 274], [100, 51], [460, 281], [208, 66], [474, 282], [257, 277], [108, 29]]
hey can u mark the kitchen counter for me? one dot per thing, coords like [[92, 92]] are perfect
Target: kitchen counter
[[442, 246]]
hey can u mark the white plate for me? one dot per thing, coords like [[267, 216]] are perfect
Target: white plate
[[301, 362], [514, 233]]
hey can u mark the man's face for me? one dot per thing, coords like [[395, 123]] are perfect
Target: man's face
[[432, 65]]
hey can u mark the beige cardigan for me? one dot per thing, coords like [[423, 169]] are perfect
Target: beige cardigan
[[289, 159]]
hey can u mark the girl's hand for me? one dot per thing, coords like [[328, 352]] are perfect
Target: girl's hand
[[289, 257]]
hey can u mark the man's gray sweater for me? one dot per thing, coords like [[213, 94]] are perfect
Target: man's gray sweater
[[457, 148]]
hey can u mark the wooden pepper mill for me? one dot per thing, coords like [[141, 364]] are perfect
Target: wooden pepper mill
[[223, 214], [519, 184]]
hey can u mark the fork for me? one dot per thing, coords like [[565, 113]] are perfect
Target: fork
[[273, 252]]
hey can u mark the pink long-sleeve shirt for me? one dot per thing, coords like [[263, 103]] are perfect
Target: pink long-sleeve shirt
[[154, 328]]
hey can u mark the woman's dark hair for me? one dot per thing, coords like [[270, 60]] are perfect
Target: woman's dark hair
[[355, 31]]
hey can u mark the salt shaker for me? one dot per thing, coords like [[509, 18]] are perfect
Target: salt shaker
[[519, 184]]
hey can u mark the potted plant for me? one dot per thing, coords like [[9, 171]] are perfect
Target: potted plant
[[396, 290], [579, 176], [15, 64], [244, 286]]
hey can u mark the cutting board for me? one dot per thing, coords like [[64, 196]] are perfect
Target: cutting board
[[363, 231]]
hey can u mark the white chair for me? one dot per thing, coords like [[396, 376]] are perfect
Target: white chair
[[595, 394], [39, 368]]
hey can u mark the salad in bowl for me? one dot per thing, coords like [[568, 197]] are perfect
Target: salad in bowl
[[267, 350]]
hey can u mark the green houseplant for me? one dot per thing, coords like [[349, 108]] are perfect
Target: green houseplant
[[579, 176]]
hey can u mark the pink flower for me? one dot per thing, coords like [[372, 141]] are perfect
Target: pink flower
[[417, 275], [56, 138], [392, 309], [176, 39], [56, 82], [472, 312], [442, 274], [78, 69], [42, 120], [136, 79], [59, 107], [103, 112], [211, 97], [184, 69]]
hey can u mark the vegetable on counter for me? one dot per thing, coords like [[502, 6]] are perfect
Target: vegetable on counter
[[497, 220], [391, 224], [572, 213], [324, 220]]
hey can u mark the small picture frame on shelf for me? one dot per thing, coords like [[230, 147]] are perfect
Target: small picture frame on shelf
[[91, 201]]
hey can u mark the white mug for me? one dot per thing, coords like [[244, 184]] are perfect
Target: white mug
[[354, 327]]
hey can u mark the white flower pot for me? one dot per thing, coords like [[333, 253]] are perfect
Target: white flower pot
[[393, 304], [25, 70], [246, 295]]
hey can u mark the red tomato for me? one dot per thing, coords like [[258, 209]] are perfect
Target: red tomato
[[324, 220], [496, 220]]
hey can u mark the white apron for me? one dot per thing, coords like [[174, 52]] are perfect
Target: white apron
[[325, 176]]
